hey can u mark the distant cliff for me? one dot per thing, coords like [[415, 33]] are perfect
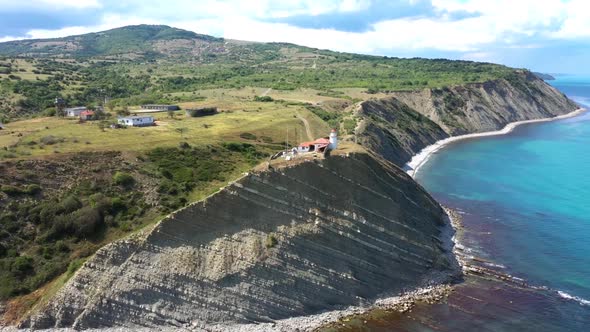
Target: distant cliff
[[400, 126], [544, 76], [275, 244]]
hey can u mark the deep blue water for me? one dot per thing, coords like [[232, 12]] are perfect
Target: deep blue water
[[526, 203]]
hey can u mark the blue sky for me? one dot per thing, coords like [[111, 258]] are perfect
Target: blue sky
[[545, 35]]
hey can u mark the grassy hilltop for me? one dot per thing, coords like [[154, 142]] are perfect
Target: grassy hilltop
[[139, 64], [67, 188]]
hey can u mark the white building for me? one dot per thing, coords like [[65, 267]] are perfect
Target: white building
[[137, 121], [333, 140], [74, 111]]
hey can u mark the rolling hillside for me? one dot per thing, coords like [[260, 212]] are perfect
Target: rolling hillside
[[150, 64]]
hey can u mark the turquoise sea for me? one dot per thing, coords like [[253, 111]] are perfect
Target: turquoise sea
[[525, 202]]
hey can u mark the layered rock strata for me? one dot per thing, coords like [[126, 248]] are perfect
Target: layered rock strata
[[400, 126], [295, 241]]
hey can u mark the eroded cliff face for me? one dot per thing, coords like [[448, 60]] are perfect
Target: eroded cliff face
[[394, 128], [274, 244]]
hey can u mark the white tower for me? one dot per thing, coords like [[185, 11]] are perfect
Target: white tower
[[333, 140]]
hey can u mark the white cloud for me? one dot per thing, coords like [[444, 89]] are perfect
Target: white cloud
[[494, 24], [110, 22], [577, 22], [53, 4], [544, 18]]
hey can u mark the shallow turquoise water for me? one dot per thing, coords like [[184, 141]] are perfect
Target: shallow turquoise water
[[526, 200]]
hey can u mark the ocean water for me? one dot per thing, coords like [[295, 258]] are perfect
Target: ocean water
[[525, 201]]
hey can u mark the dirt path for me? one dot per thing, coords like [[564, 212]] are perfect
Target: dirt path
[[306, 125], [266, 92]]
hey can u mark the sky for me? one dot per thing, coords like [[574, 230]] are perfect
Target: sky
[[551, 36]]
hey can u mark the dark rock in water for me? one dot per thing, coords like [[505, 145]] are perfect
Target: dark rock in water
[[272, 245]]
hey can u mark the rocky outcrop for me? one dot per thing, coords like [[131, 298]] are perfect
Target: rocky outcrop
[[398, 127], [274, 244]]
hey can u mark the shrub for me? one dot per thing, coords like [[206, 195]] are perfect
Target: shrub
[[74, 266], [264, 99], [50, 140], [201, 112], [271, 241], [123, 179], [70, 204], [117, 204], [22, 266], [248, 136], [266, 139], [11, 190]]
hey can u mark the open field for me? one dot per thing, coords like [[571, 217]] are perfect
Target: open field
[[269, 122]]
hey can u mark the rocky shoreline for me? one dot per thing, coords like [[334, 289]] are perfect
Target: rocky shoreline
[[422, 157], [436, 288]]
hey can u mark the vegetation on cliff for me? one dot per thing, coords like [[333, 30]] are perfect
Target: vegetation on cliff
[[54, 212]]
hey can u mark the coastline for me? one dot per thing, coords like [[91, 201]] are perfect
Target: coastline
[[419, 159]]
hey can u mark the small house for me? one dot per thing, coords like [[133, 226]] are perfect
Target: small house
[[74, 112], [161, 107], [319, 145], [137, 121], [87, 115]]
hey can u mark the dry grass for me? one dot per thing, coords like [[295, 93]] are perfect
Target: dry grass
[[272, 120]]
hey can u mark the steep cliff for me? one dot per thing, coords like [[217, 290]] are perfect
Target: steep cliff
[[274, 244], [400, 126]]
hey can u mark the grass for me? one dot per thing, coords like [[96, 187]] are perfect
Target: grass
[[27, 65], [271, 120]]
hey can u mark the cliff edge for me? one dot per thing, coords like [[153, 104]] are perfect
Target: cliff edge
[[275, 244], [400, 126]]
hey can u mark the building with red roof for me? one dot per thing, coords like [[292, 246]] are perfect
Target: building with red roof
[[319, 144], [86, 115]]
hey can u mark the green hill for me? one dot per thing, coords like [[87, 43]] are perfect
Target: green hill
[[131, 39], [149, 64]]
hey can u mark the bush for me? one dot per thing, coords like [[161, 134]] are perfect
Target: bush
[[264, 99], [74, 266], [22, 266], [70, 204], [50, 140], [123, 179], [271, 241], [201, 112], [11, 190], [31, 189], [117, 204], [248, 136]]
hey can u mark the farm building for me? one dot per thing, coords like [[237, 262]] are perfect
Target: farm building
[[74, 112], [87, 115], [161, 107], [137, 121]]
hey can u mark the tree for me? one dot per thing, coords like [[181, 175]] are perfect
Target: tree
[[123, 111], [110, 106], [181, 131]]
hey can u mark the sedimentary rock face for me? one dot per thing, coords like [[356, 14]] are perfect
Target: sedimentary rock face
[[272, 245]]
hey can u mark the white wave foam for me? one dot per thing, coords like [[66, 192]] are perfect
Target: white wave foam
[[419, 159], [500, 266], [578, 299]]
